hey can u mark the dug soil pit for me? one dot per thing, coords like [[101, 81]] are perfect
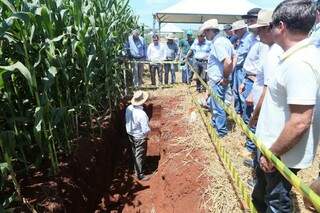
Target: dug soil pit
[[177, 182]]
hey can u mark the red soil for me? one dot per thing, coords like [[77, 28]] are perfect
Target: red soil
[[176, 183]]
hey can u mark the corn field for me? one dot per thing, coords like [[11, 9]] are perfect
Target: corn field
[[58, 68]]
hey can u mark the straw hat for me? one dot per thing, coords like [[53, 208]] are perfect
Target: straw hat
[[139, 98], [237, 25], [264, 19], [209, 24], [170, 36]]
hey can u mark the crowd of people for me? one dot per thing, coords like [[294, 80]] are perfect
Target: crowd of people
[[268, 64]]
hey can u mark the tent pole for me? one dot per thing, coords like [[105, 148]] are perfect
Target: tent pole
[[154, 23], [159, 27]]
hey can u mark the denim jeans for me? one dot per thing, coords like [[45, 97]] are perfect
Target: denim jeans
[[153, 69], [247, 111], [187, 73], [200, 67], [271, 194], [137, 73], [219, 116], [237, 79], [172, 68]]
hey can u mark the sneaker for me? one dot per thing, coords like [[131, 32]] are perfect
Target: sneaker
[[144, 177], [248, 163]]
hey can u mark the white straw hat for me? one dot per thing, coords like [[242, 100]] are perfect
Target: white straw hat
[[139, 98], [170, 36], [209, 24], [237, 25], [264, 19]]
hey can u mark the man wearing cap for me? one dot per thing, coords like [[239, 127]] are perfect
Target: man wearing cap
[[246, 40], [184, 46], [155, 55], [269, 61], [289, 121], [200, 50], [136, 50], [221, 61], [171, 51], [138, 128], [230, 34], [315, 36]]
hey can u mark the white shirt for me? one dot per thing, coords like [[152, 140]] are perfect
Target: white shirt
[[137, 122], [270, 61], [255, 57], [296, 82], [201, 51], [155, 53]]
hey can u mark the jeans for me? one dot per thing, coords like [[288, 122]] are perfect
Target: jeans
[[137, 72], [237, 79], [200, 67], [271, 194], [139, 151], [172, 68], [247, 111], [187, 74], [153, 69], [219, 116]]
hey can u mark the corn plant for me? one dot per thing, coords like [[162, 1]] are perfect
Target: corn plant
[[58, 68]]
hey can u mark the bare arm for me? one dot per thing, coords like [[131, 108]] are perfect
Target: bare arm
[[227, 67], [298, 123]]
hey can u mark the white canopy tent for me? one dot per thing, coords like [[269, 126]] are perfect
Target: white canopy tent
[[171, 28], [191, 11]]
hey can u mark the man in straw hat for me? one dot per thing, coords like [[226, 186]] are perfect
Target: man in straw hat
[[246, 40], [171, 51], [221, 62], [137, 128], [289, 121]]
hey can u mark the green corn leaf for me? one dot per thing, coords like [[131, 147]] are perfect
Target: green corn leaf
[[22, 69], [9, 5]]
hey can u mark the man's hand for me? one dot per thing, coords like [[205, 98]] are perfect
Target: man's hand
[[249, 100], [224, 81], [253, 121], [266, 165], [241, 88]]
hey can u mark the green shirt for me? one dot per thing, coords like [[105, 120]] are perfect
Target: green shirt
[[185, 46]]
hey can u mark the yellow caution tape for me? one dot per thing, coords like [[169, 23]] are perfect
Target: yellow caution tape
[[226, 159], [279, 165], [153, 63]]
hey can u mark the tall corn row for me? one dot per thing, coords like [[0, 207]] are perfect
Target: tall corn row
[[58, 67]]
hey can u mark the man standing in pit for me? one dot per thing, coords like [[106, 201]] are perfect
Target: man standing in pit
[[137, 126]]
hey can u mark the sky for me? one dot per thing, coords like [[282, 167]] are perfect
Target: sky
[[145, 8]]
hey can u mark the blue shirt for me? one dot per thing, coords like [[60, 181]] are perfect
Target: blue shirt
[[221, 48], [246, 42], [233, 39], [201, 50], [315, 36], [171, 51]]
